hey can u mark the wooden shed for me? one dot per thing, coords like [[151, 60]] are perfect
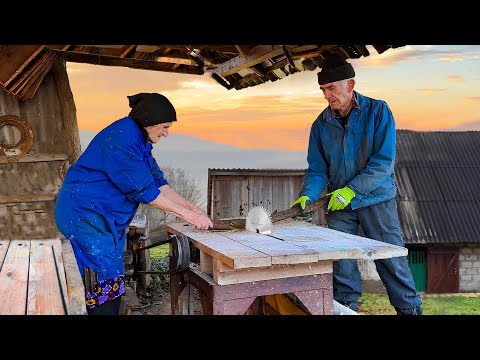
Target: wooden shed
[[232, 192]]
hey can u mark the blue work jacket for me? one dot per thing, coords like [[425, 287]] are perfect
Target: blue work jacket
[[101, 193], [360, 156]]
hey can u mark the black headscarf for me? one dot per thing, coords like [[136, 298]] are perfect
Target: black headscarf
[[335, 68], [150, 109]]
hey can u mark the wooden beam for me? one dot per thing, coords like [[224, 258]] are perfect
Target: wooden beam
[[221, 81], [75, 287], [174, 60], [132, 63], [26, 198], [312, 52], [255, 56], [28, 158], [243, 50], [128, 50], [224, 275]]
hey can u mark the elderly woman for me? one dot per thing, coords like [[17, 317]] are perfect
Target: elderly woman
[[103, 189]]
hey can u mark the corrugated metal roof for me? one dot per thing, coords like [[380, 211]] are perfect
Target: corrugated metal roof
[[438, 179]]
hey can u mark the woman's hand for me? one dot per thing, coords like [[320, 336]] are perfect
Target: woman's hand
[[200, 220]]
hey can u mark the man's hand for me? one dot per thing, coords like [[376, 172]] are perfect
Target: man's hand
[[340, 198], [302, 201]]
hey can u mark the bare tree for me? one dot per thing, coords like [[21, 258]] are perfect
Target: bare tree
[[184, 184]]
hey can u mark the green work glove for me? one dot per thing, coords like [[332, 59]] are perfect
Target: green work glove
[[302, 201], [340, 198]]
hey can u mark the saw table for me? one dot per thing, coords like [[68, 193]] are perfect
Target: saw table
[[239, 266], [40, 277]]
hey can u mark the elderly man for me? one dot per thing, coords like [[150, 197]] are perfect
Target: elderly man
[[352, 152]]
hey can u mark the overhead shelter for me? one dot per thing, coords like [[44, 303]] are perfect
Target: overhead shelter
[[22, 67]]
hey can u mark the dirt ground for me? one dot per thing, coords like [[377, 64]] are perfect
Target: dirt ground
[[156, 302]]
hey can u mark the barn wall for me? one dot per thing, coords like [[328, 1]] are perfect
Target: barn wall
[[30, 182], [232, 194]]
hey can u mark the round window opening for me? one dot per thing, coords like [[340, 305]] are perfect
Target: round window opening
[[16, 135]]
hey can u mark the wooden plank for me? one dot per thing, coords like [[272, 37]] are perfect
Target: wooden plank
[[57, 251], [27, 179], [244, 195], [44, 294], [75, 287], [28, 220], [224, 275], [226, 175], [295, 228], [281, 252], [14, 278], [14, 58], [255, 56], [268, 200], [187, 301], [129, 62], [222, 248], [205, 263], [35, 80], [4, 244], [28, 158], [29, 85], [26, 198], [332, 244], [27, 73]]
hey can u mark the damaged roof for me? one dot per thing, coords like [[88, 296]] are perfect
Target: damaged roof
[[22, 67]]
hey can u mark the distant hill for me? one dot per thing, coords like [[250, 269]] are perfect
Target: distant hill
[[197, 156], [465, 127]]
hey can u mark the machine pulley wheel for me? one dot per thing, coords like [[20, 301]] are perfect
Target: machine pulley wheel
[[180, 256]]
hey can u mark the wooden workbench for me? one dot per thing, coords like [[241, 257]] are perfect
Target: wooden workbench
[[237, 266], [40, 277]]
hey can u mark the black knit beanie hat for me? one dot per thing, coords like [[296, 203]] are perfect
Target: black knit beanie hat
[[151, 109], [335, 68]]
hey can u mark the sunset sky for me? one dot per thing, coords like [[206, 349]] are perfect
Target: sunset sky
[[427, 88]]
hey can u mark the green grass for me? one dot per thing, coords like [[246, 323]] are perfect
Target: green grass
[[375, 304], [159, 251], [159, 262], [378, 304]]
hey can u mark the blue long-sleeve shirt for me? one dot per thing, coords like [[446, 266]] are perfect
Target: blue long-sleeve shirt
[[360, 156], [101, 193]]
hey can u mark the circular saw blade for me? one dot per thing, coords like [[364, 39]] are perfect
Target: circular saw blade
[[258, 220]]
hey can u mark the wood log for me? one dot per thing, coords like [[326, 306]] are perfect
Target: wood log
[[239, 223]]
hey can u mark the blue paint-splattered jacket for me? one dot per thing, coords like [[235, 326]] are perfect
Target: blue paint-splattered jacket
[[361, 156], [101, 193]]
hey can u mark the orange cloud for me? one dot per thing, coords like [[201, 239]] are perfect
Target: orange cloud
[[472, 99], [455, 79], [431, 90]]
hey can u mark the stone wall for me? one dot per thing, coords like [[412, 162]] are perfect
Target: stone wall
[[469, 268]]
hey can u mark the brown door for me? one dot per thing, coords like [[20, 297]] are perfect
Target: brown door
[[442, 270]]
